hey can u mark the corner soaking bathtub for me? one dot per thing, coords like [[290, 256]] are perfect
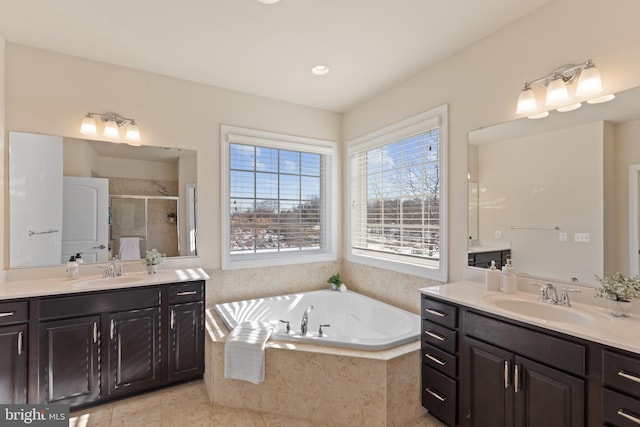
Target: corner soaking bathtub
[[356, 321]]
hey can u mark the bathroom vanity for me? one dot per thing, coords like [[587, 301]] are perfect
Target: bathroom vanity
[[483, 366], [100, 342]]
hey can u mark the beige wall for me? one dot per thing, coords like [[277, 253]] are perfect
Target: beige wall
[[481, 85]]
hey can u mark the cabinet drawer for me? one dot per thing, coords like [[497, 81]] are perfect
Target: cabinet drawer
[[620, 410], [439, 395], [440, 360], [557, 352], [13, 312], [439, 336], [440, 313], [186, 292], [621, 372]]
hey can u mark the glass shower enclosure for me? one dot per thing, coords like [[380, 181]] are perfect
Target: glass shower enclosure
[[141, 223]]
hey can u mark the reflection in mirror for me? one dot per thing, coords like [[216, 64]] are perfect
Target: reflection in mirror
[[101, 199], [559, 195]]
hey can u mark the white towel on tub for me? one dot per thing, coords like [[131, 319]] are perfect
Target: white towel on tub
[[244, 351]]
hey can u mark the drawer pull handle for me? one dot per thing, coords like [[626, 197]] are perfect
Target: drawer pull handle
[[95, 332], [628, 376], [436, 336], [112, 330], [628, 416], [435, 312], [180, 294], [20, 343], [173, 318], [436, 395], [435, 359], [506, 374], [7, 314]]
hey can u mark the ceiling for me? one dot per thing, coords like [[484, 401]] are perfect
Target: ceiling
[[266, 50]]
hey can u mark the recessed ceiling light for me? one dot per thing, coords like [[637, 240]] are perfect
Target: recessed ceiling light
[[268, 1], [320, 70]]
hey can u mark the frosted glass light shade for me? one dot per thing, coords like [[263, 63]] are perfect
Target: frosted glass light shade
[[589, 82], [526, 102], [88, 126], [133, 133], [111, 129], [557, 92]]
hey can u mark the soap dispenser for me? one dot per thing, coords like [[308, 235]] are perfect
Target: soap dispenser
[[79, 259], [492, 278], [73, 271], [509, 279]]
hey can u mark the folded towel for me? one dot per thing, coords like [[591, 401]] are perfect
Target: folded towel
[[244, 351], [129, 248]]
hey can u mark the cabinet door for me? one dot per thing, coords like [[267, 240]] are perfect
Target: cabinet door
[[13, 364], [69, 361], [547, 397], [488, 382], [134, 350], [186, 337]]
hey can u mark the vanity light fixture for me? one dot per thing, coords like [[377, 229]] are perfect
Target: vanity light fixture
[[113, 121], [588, 88]]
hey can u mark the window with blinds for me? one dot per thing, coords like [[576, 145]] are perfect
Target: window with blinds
[[277, 201], [396, 191]]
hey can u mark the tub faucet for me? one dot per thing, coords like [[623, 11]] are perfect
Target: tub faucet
[[305, 320]]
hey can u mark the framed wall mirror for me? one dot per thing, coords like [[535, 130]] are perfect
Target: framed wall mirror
[[560, 195], [101, 199]]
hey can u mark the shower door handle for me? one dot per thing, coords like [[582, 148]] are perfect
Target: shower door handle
[[99, 247]]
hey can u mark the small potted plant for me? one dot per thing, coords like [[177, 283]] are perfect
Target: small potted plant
[[153, 259], [619, 290], [335, 281]]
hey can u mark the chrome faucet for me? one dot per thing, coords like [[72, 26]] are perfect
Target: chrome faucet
[[305, 320], [113, 270], [548, 293], [564, 297]]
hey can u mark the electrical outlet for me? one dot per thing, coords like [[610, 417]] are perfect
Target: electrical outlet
[[498, 234], [581, 237], [563, 236]]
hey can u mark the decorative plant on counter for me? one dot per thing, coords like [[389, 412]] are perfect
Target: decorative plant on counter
[[335, 281], [618, 287], [154, 257]]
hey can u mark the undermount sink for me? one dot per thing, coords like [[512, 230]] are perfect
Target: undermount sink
[[544, 311], [106, 281]]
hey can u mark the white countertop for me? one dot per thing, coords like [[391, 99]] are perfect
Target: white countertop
[[55, 286], [617, 332]]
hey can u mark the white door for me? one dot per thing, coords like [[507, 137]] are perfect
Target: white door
[[85, 226]]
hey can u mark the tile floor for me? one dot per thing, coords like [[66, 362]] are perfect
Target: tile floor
[[188, 405]]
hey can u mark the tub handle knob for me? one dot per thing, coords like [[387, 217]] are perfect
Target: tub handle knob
[[320, 331], [288, 326]]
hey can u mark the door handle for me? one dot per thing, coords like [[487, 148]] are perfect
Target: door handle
[[99, 247], [95, 332], [173, 318], [112, 329], [20, 343], [506, 374], [516, 378]]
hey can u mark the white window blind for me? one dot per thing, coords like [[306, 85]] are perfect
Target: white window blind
[[276, 202], [397, 196]]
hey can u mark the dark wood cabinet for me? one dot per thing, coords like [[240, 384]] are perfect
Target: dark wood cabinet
[[13, 352], [69, 360], [621, 396], [186, 341], [134, 351], [13, 364]]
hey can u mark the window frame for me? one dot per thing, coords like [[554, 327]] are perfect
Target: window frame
[[329, 193], [395, 262]]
